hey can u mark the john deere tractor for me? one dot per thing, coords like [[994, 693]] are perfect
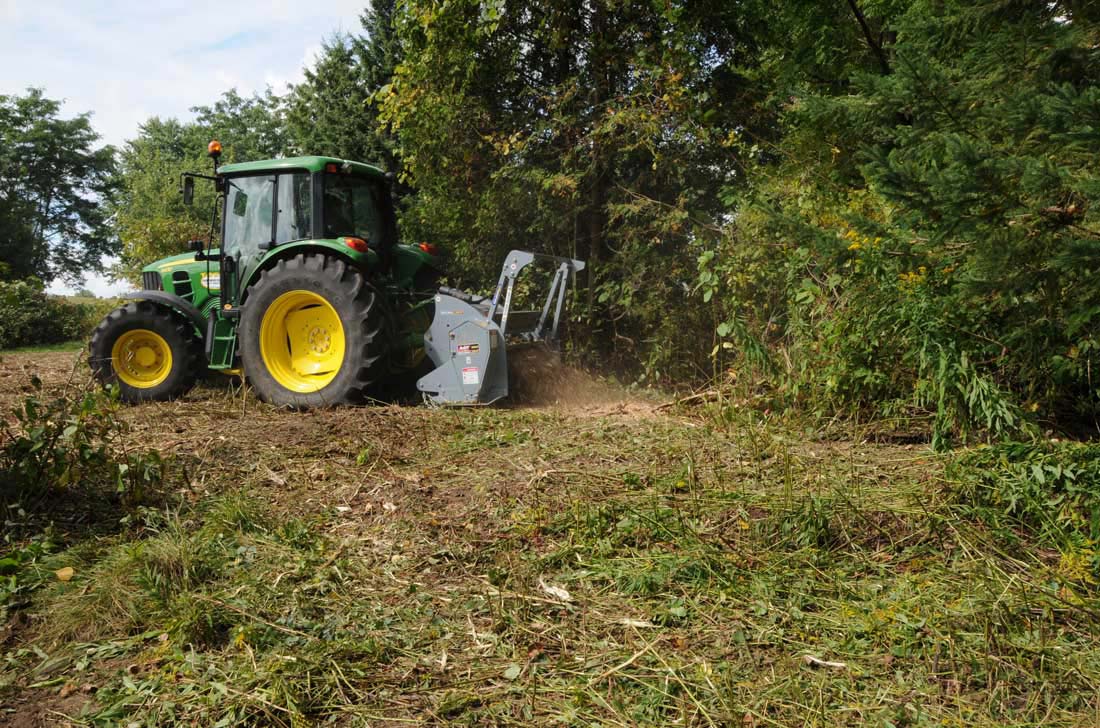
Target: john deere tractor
[[310, 295]]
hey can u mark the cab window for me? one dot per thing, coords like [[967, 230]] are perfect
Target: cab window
[[356, 207], [248, 215], [295, 202]]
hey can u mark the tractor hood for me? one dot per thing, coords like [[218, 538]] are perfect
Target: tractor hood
[[174, 262], [196, 282]]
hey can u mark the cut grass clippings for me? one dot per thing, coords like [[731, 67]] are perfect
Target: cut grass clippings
[[398, 566]]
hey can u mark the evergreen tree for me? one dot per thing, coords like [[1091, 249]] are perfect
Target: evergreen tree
[[333, 112]]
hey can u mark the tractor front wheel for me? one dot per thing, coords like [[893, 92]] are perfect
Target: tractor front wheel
[[150, 351], [312, 333]]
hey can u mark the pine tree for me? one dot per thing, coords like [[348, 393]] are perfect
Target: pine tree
[[333, 112]]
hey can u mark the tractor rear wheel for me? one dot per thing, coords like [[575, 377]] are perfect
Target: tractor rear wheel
[[311, 333], [150, 351]]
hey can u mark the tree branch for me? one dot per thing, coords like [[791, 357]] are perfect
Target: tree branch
[[883, 62]]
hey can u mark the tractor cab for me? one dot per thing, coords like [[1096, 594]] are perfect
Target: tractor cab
[[316, 202]]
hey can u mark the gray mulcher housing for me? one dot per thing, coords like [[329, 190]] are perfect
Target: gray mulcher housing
[[468, 336]]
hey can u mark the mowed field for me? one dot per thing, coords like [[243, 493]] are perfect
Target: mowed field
[[589, 558]]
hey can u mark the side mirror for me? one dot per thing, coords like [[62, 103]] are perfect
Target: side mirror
[[188, 190], [198, 247]]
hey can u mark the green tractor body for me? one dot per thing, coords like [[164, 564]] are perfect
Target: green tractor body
[[311, 295]]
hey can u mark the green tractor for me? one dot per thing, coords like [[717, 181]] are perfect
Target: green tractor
[[311, 296]]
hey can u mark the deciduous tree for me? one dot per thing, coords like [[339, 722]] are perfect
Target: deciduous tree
[[151, 218], [54, 180], [596, 129]]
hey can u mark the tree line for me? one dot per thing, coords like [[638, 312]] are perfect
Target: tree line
[[881, 207]]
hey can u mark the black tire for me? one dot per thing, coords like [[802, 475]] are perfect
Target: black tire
[[356, 303], [177, 333]]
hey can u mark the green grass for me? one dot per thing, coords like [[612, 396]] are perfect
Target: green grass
[[392, 566], [63, 346]]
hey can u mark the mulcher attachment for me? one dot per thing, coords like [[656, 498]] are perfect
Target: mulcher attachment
[[469, 335]]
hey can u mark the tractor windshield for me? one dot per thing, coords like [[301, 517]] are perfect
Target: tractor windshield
[[248, 216], [358, 207], [248, 212]]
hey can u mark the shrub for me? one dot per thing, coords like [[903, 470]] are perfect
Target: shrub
[[1046, 489], [923, 243], [72, 443], [30, 317]]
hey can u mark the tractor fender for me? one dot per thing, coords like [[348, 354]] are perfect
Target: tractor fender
[[363, 261], [172, 301]]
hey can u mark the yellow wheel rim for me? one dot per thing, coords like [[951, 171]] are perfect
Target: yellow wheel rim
[[302, 341], [141, 358]]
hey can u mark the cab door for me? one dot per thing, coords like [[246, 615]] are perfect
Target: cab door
[[248, 229]]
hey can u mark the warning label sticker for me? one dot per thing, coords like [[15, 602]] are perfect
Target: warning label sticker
[[468, 348], [469, 375]]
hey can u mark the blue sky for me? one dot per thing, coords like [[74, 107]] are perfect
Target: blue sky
[[127, 61]]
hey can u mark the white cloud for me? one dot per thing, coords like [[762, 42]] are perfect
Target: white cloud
[[100, 285], [311, 57], [125, 61]]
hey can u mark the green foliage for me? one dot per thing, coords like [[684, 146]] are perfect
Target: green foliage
[[881, 208], [15, 579], [696, 566], [53, 181], [152, 220], [31, 317], [248, 128], [1048, 488], [597, 132], [920, 236], [71, 444], [252, 612], [334, 112]]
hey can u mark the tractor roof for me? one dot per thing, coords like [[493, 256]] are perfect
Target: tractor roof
[[311, 164]]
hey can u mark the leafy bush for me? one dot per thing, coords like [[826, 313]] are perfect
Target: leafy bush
[[30, 317], [900, 227], [72, 444], [62, 459], [924, 242], [15, 579]]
